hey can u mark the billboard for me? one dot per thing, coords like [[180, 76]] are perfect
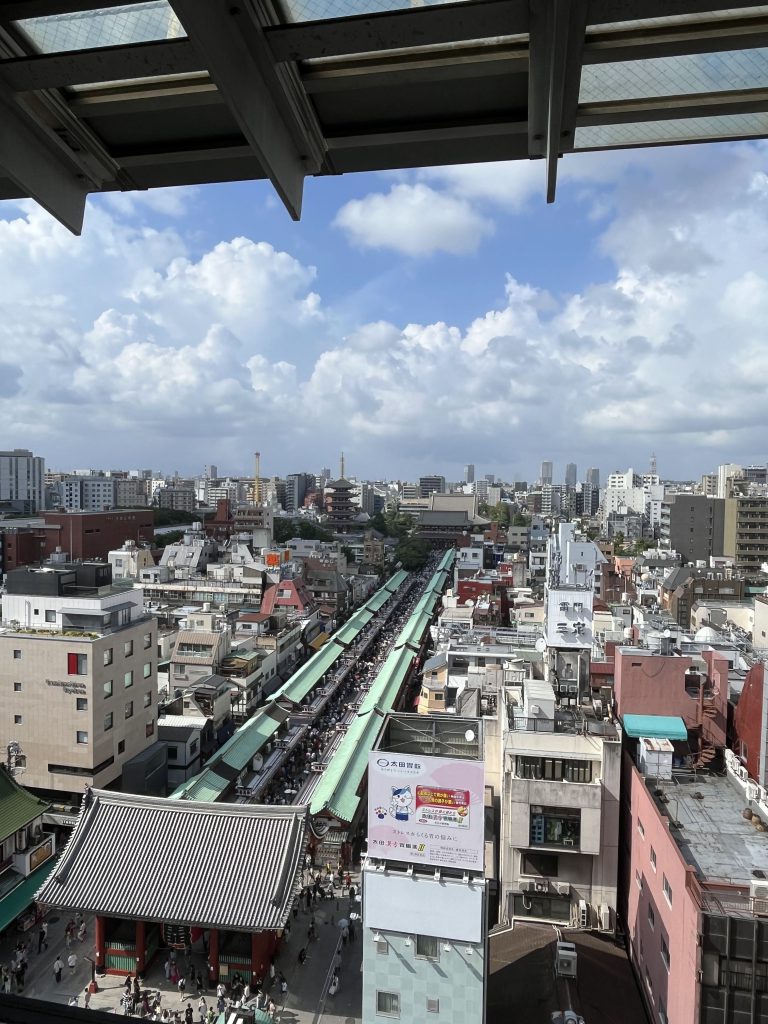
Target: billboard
[[426, 810]]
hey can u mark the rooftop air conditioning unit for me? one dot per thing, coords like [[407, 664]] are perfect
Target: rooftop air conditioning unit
[[758, 890], [563, 888], [605, 917]]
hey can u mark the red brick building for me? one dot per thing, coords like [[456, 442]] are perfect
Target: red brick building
[[82, 535]]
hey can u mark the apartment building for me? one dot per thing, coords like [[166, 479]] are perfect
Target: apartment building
[[78, 674], [692, 525], [745, 532], [22, 480], [559, 811]]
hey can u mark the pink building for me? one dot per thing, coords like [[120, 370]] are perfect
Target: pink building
[[651, 683], [695, 903]]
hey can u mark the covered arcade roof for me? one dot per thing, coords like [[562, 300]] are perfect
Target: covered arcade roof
[[103, 95], [181, 862]]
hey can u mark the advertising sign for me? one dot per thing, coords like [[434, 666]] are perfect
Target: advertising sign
[[426, 810]]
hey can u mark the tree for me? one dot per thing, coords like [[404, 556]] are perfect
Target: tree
[[284, 529], [521, 520], [500, 514], [169, 538], [412, 553]]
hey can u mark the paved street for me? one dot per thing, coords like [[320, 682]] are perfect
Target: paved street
[[307, 984]]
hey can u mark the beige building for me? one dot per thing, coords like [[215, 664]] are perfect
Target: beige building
[[78, 675], [745, 530]]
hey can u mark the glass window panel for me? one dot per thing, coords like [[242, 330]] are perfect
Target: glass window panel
[[684, 129], [682, 75], [316, 10], [110, 26]]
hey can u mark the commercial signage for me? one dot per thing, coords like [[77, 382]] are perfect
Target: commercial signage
[[426, 810]]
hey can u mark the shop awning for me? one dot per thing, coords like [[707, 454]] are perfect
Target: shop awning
[[319, 641], [660, 727], [18, 899]]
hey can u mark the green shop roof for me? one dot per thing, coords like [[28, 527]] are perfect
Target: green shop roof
[[655, 727], [17, 806]]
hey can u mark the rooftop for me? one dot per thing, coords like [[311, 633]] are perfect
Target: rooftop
[[705, 813]]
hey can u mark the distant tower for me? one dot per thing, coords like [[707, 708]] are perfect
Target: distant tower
[[257, 480], [341, 467], [593, 477], [545, 477], [570, 475], [653, 465], [469, 473]]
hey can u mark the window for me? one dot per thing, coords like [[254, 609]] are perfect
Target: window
[[193, 747], [148, 699], [543, 864], [388, 1003], [108, 656], [179, 670], [433, 1005], [108, 721], [665, 952], [553, 769], [128, 648], [128, 679], [653, 858], [662, 1011], [82, 703], [640, 828], [173, 753], [82, 737], [147, 641], [150, 729], [129, 709], [639, 880], [667, 890], [17, 719], [428, 947], [121, 747], [77, 664], [17, 687], [17, 655], [651, 916], [148, 670], [648, 981], [108, 687], [555, 826], [50, 615]]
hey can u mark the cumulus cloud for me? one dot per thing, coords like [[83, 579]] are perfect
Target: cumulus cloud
[[414, 220], [125, 347]]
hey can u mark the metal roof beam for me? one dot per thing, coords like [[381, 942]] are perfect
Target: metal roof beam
[[672, 108], [18, 10], [273, 117], [676, 40], [38, 169], [603, 12], [105, 64], [558, 28], [396, 30]]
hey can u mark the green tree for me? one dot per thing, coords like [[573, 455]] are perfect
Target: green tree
[[500, 514], [413, 553], [521, 520], [169, 538], [284, 529]]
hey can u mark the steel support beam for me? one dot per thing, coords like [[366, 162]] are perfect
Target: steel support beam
[[18, 10], [672, 41], [426, 133], [396, 30], [38, 169], [105, 64], [240, 63], [672, 108], [558, 29]]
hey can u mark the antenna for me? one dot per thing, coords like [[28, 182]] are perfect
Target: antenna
[[653, 465], [341, 474], [257, 480]]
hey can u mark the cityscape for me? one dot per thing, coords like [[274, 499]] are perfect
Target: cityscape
[[383, 511]]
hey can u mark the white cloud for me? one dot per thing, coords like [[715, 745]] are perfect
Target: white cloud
[[414, 220]]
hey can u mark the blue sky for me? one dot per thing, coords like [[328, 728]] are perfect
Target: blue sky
[[418, 320]]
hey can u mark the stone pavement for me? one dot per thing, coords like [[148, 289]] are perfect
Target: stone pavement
[[305, 1002]]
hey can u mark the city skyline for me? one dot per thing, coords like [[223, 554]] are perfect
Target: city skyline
[[397, 322]]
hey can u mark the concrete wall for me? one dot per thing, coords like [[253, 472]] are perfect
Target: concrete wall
[[749, 724]]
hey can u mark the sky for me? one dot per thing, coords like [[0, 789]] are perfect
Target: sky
[[416, 320]]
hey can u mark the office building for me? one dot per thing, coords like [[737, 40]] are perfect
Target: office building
[[469, 473], [692, 525], [726, 474], [92, 493], [745, 532], [570, 475], [22, 480], [545, 476], [431, 485], [296, 487], [424, 887], [78, 671], [593, 477]]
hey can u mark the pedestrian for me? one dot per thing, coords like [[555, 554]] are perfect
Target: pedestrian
[[189, 1014], [348, 880], [127, 984], [21, 970], [271, 1009], [87, 998], [81, 931], [181, 985], [72, 962], [287, 932], [221, 1004], [145, 1007], [344, 935], [351, 931], [42, 936], [271, 971], [202, 1008], [199, 983], [283, 984], [167, 968], [174, 974], [69, 932], [352, 893], [302, 955]]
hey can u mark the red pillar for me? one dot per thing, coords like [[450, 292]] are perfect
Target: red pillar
[[255, 958], [213, 956], [141, 946], [100, 943]]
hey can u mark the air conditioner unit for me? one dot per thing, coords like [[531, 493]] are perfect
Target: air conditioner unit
[[563, 888], [758, 890], [583, 914], [541, 887], [527, 886], [605, 917]]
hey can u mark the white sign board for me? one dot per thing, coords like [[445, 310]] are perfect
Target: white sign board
[[426, 810]]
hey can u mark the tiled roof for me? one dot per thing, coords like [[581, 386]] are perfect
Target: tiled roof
[[17, 806], [227, 866]]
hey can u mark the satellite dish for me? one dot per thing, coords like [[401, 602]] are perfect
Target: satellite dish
[[257, 763], [541, 645]]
